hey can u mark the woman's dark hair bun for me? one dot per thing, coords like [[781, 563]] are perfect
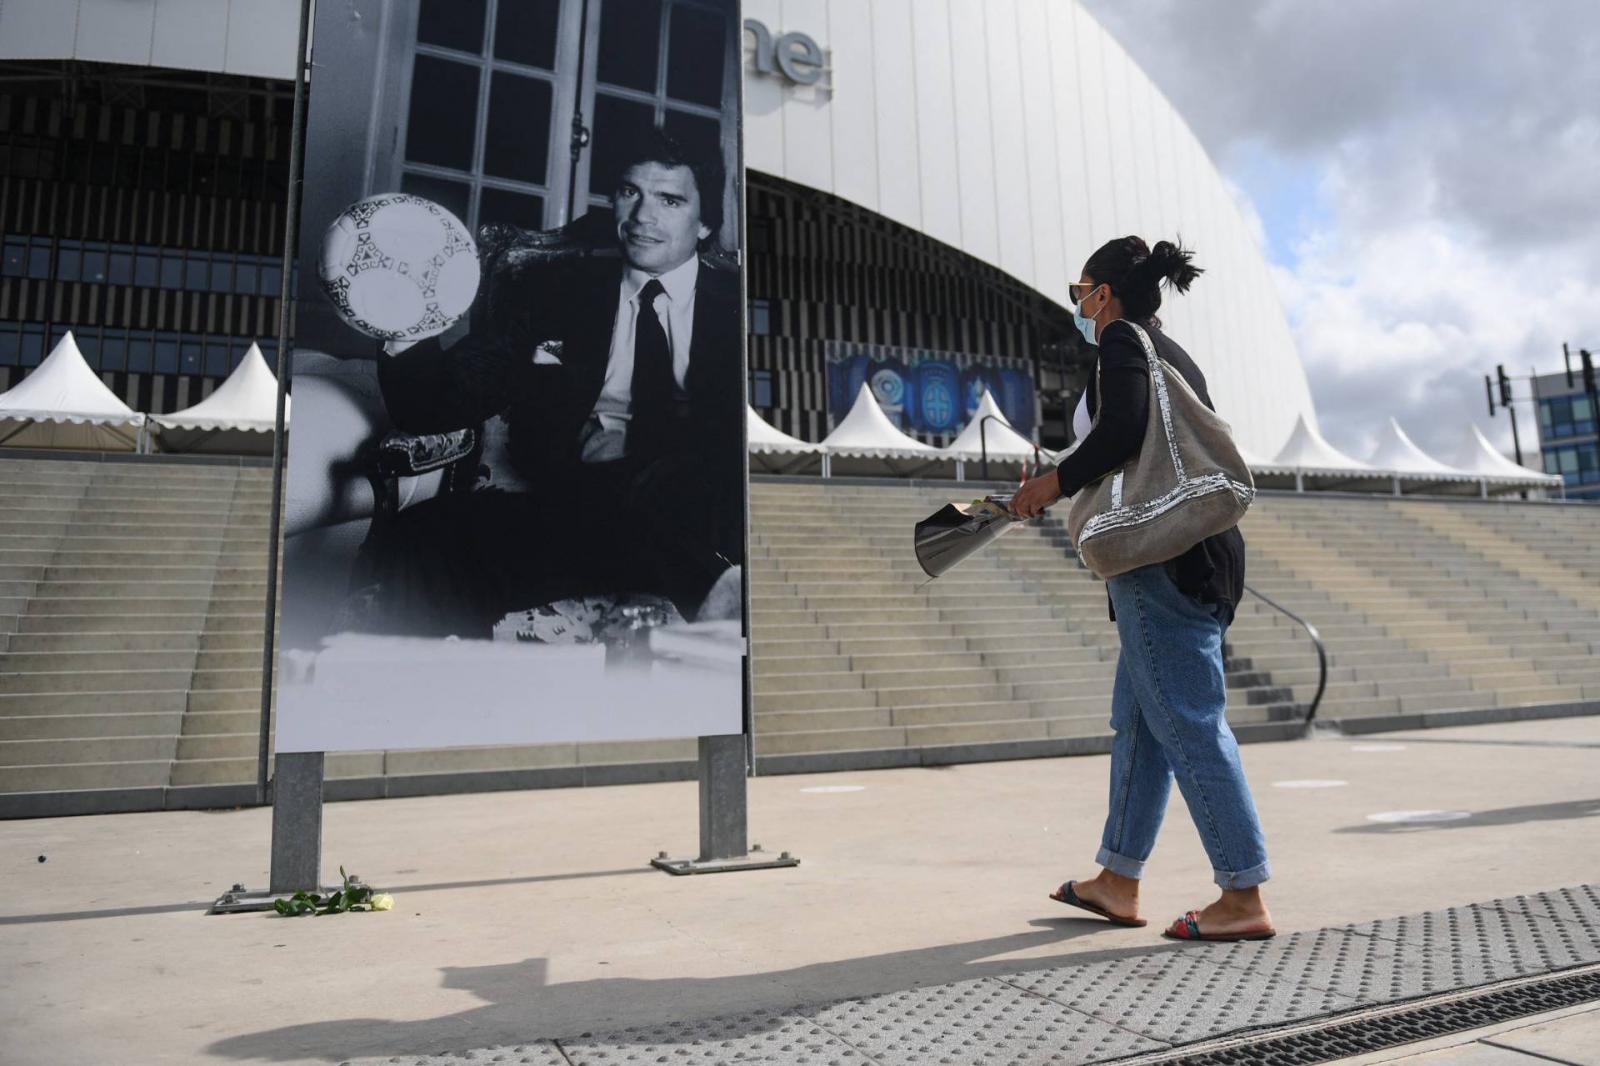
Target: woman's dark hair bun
[[1173, 263], [1135, 272]]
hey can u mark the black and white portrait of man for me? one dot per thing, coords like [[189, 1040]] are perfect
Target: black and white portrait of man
[[530, 525]]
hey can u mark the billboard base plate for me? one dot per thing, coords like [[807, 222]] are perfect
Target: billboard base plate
[[241, 900], [755, 860]]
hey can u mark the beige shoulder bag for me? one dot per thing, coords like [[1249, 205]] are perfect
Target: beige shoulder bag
[[1187, 482]]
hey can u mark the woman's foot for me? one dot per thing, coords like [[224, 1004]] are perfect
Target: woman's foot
[[1108, 894], [1239, 914]]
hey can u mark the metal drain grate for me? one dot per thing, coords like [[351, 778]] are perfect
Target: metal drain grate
[[1425, 1022]]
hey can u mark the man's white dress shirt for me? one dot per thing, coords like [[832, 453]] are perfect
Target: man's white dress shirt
[[605, 435]]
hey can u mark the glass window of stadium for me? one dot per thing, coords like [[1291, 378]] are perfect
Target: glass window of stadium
[[1566, 416], [554, 88]]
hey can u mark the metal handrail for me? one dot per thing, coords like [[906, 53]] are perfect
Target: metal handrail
[[1316, 638], [983, 445]]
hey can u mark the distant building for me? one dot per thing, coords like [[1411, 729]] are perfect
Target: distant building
[[1567, 434]]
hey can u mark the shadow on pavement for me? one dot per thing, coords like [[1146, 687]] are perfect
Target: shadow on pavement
[[1537, 812], [201, 905], [522, 1007]]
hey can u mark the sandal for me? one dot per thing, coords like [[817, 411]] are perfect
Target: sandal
[[1188, 928], [1066, 895]]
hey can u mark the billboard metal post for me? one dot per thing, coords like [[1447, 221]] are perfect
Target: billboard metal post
[[296, 822]]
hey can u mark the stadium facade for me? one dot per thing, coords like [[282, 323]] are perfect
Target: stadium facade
[[924, 181]]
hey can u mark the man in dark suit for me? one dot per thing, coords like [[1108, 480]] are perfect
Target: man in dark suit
[[620, 375]]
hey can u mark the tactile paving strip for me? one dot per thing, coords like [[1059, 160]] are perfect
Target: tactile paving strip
[[1140, 1004], [1566, 922], [1184, 995], [1512, 940], [792, 1038], [1363, 967], [976, 1022]]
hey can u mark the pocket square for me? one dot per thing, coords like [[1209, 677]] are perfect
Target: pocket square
[[547, 354]]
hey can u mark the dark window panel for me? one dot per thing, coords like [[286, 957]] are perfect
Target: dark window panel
[[630, 43], [444, 97], [120, 271], [39, 260], [618, 125], [15, 261], [217, 359], [141, 355], [271, 280], [244, 278], [69, 261], [517, 140], [146, 270], [222, 275], [694, 56], [32, 346], [521, 209], [166, 361], [113, 353], [10, 345], [454, 24], [453, 195], [171, 271], [94, 264], [525, 32], [191, 356]]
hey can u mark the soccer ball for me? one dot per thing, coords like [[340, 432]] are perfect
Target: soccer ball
[[398, 267]]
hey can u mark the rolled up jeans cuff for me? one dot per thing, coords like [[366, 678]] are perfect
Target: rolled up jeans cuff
[[1120, 864], [1235, 880]]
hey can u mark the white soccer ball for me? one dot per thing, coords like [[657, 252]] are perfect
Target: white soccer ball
[[398, 267]]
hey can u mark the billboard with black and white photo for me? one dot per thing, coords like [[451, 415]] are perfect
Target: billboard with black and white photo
[[516, 485]]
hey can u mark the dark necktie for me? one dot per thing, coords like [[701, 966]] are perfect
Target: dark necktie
[[652, 370]]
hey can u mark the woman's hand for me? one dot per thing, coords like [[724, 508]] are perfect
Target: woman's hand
[[1036, 494]]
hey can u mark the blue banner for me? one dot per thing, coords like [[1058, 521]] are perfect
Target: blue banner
[[929, 392]]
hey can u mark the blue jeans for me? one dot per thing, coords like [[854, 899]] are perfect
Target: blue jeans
[[1167, 716]]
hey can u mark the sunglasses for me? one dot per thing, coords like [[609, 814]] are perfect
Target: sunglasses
[[1076, 292]]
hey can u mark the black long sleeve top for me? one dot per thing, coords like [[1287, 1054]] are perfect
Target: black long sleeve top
[[1213, 570]]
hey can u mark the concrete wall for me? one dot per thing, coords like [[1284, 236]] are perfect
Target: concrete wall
[[251, 37]]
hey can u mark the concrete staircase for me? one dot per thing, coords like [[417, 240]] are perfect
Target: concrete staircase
[[1466, 630], [131, 598], [855, 650], [131, 606]]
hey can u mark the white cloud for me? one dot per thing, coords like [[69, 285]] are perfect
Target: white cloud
[[1447, 153]]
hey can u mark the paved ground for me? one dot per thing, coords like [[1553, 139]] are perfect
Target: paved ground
[[523, 916]]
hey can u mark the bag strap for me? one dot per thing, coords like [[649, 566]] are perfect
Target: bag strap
[[1158, 385]]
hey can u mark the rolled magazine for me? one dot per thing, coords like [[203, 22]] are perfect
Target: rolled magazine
[[952, 533]]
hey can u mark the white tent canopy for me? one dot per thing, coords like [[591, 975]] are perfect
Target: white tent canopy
[[1306, 452], [1398, 453], [64, 404], [775, 450], [238, 416], [247, 400], [1003, 441], [867, 433], [765, 439], [1479, 458]]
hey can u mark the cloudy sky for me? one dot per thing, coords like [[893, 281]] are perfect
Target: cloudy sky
[[1427, 178]]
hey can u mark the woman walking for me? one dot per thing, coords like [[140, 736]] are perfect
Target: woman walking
[[1170, 693]]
